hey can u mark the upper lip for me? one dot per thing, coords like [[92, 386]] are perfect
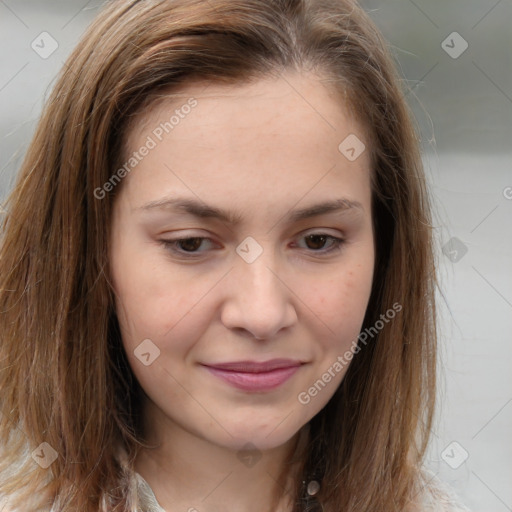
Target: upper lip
[[255, 366]]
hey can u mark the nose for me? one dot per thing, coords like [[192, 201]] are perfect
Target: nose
[[258, 302]]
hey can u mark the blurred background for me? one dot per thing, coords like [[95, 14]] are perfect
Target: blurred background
[[456, 63]]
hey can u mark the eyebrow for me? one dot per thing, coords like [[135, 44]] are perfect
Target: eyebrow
[[202, 210]]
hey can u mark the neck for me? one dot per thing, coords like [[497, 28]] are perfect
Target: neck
[[187, 472]]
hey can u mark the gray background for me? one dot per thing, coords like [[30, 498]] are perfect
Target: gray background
[[463, 107]]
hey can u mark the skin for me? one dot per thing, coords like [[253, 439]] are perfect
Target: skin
[[260, 151]]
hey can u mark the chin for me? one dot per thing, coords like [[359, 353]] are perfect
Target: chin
[[263, 437], [251, 441]]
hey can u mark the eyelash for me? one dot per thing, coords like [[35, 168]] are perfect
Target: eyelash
[[171, 245]]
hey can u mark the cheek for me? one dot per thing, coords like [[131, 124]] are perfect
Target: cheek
[[153, 302], [340, 304], [341, 300], [141, 291]]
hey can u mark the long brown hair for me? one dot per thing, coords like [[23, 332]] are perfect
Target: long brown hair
[[64, 377]]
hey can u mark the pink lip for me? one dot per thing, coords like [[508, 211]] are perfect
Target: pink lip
[[255, 376]]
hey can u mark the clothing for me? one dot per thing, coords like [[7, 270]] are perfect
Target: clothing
[[438, 496], [147, 498]]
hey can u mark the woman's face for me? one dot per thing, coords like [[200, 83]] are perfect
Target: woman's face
[[237, 334]]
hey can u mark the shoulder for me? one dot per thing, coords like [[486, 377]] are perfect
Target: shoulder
[[6, 505], [21, 499], [438, 496]]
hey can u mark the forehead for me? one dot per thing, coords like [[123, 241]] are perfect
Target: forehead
[[293, 95], [279, 136]]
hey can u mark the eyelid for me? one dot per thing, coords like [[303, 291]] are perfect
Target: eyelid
[[338, 242]]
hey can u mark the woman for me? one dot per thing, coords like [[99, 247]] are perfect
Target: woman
[[289, 365]]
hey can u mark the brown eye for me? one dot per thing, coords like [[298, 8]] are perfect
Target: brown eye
[[189, 245], [316, 242]]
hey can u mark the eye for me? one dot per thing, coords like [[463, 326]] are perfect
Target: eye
[[316, 242], [188, 245]]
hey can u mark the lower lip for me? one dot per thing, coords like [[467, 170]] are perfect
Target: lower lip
[[264, 381]]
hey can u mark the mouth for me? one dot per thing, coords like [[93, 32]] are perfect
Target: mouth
[[255, 376]]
